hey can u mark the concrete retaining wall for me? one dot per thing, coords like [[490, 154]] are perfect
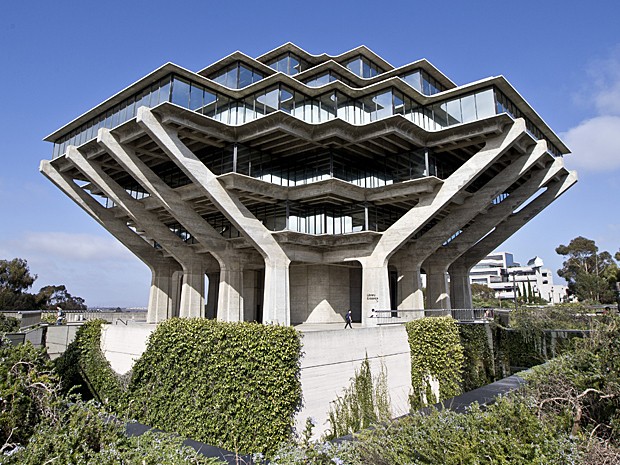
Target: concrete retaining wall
[[331, 358], [59, 337], [122, 345]]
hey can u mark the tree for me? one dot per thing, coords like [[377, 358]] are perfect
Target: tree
[[589, 274], [51, 297], [482, 296], [16, 279]]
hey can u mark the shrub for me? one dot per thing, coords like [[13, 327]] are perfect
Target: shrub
[[478, 366]]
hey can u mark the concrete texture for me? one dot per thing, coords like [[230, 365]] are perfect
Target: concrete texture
[[59, 337], [122, 345], [331, 358]]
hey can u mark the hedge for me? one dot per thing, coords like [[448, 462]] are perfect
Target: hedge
[[233, 385], [436, 354], [479, 367]]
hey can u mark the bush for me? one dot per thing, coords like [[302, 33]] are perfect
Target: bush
[[478, 366]]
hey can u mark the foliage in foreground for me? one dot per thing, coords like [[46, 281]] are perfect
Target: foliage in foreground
[[568, 413], [39, 425]]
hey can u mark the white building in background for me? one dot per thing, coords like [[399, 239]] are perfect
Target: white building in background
[[501, 273]]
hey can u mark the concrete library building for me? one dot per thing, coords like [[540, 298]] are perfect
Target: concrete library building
[[292, 187]]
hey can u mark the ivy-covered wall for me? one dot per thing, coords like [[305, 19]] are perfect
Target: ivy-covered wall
[[233, 385], [436, 360], [479, 363]]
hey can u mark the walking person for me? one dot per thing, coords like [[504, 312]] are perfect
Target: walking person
[[348, 318]]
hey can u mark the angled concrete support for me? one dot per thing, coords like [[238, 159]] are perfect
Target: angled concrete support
[[375, 290], [276, 305], [375, 279], [513, 223], [230, 303], [162, 295], [193, 265]]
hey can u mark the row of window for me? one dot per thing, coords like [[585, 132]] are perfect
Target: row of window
[[326, 107]]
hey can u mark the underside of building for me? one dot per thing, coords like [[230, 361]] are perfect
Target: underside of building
[[304, 185]]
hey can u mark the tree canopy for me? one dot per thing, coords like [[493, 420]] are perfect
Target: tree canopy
[[16, 279], [590, 274]]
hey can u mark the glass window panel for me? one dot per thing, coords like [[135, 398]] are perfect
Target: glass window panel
[[453, 109], [328, 106], [468, 106], [485, 104], [315, 112], [180, 92], [115, 116], [271, 100], [399, 103], [426, 87], [344, 104], [222, 112], [384, 105], [245, 76], [287, 101], [131, 109], [256, 76], [294, 65], [164, 91], [221, 78], [366, 69], [299, 105], [369, 108], [210, 104], [440, 116], [355, 66], [231, 78], [195, 97], [413, 80], [123, 113]]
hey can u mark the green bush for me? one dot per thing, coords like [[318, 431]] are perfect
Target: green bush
[[234, 385], [436, 354], [25, 393]]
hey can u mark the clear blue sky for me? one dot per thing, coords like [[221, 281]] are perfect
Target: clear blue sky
[[61, 58]]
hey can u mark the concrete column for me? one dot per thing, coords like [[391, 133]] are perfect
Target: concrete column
[[460, 287], [212, 295], [230, 295], [375, 290], [192, 291], [276, 300], [410, 294], [276, 305], [437, 295], [161, 295]]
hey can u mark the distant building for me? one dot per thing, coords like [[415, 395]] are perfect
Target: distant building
[[305, 185], [501, 273]]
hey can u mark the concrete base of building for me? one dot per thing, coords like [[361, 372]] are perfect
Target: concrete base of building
[[331, 357]]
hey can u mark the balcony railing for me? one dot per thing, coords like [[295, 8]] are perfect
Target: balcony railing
[[391, 317]]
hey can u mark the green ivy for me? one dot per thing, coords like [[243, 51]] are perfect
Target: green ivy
[[479, 368], [436, 353], [234, 385]]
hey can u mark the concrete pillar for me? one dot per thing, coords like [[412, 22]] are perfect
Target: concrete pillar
[[230, 296], [161, 295], [410, 294], [437, 295], [276, 301], [460, 287], [375, 290], [192, 291]]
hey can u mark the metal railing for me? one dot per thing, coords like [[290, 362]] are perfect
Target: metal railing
[[391, 317]]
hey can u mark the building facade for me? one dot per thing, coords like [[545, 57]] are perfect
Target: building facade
[[508, 278], [305, 185]]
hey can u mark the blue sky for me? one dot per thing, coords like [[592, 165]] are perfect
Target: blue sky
[[61, 58]]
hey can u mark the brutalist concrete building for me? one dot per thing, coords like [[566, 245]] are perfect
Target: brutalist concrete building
[[303, 185]]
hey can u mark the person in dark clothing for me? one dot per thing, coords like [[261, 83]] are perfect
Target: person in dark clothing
[[348, 319]]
